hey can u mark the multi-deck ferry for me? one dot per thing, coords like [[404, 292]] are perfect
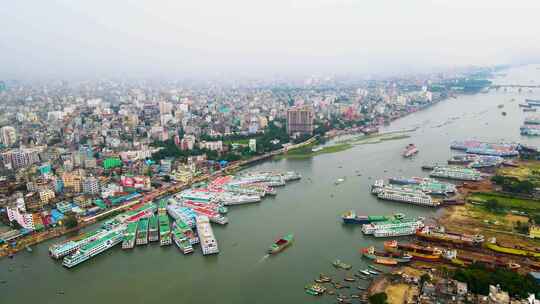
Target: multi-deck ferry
[[177, 212], [153, 233], [186, 230], [457, 173], [209, 243], [372, 228], [483, 148], [128, 241], [61, 250], [93, 248], [164, 230], [407, 196], [142, 232], [181, 241]]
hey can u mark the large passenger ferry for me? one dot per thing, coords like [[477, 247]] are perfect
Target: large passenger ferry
[[93, 248], [209, 243], [456, 173]]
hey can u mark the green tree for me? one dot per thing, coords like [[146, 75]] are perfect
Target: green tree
[[70, 221], [379, 298]]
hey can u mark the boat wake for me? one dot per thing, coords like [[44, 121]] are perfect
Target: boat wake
[[262, 259]]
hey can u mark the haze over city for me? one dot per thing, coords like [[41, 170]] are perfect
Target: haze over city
[[86, 39]]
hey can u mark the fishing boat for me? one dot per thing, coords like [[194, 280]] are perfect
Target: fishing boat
[[281, 243], [365, 272], [409, 151], [375, 268], [315, 289], [340, 264]]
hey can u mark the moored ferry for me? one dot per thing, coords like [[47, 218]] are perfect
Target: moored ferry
[[93, 248], [177, 212], [61, 250], [128, 241], [142, 232], [186, 230], [153, 232], [412, 223], [181, 241], [457, 173], [208, 241], [407, 196], [164, 230]]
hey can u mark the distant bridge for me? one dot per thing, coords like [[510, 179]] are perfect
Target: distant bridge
[[521, 86]]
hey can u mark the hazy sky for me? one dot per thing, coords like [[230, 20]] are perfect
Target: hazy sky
[[88, 38]]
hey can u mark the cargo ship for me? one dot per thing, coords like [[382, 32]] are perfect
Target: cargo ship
[[409, 151], [153, 233], [142, 232], [456, 173], [164, 230], [420, 253], [350, 217], [186, 230], [209, 243], [281, 243], [493, 245], [182, 241], [438, 234], [128, 241], [372, 254], [93, 248]]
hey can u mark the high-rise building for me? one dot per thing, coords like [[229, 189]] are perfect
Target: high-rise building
[[3, 86], [300, 120], [8, 135], [91, 185]]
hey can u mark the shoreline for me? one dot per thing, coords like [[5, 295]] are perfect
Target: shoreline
[[241, 165]]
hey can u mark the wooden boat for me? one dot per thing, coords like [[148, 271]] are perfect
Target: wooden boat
[[281, 244], [349, 279], [339, 264], [386, 261]]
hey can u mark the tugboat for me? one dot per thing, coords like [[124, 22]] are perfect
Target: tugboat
[[409, 151], [281, 244]]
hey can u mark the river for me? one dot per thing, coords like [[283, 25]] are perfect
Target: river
[[309, 208]]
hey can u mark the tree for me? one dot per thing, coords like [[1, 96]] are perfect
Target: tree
[[70, 221], [379, 298]]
